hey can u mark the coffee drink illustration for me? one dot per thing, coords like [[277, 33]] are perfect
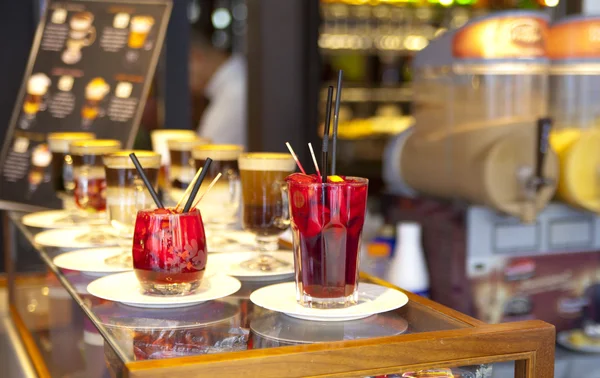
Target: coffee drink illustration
[[81, 34], [139, 29], [41, 157], [121, 20], [95, 92], [37, 87]]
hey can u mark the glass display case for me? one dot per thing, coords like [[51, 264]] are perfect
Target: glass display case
[[68, 332]]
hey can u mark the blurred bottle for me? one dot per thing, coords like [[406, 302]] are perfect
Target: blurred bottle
[[408, 269]]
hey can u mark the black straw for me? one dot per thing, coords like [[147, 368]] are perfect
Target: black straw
[[324, 159], [336, 119], [149, 186], [197, 184]]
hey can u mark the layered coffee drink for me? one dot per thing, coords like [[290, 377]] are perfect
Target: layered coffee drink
[[37, 87], [89, 174], [140, 27], [95, 92], [160, 138], [125, 190], [265, 212], [220, 206], [183, 168], [62, 162], [263, 175]]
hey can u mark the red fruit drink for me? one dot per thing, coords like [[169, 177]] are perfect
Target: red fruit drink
[[169, 251], [90, 194], [327, 222]]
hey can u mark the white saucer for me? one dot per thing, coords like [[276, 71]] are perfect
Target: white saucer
[[90, 261], [125, 288], [229, 263], [373, 299], [66, 238], [52, 219]]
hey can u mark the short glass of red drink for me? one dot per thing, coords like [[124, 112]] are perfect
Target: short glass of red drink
[[169, 251], [327, 222]]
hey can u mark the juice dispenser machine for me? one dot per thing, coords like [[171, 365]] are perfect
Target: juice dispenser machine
[[480, 174], [479, 135], [575, 108]]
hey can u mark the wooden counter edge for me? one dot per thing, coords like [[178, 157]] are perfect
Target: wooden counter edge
[[33, 351], [531, 341]]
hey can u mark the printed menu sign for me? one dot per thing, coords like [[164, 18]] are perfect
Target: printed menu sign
[[89, 70]]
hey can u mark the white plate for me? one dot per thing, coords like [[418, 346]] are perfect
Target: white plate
[[67, 238], [564, 339], [53, 219], [126, 289], [373, 299], [90, 261], [229, 263]]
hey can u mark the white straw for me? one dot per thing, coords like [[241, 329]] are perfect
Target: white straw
[[189, 188], [312, 153], [214, 181], [294, 156]]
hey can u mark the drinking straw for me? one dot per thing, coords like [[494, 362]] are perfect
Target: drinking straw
[[197, 184], [214, 181], [326, 134], [294, 156], [149, 186], [188, 189], [336, 119], [312, 153]]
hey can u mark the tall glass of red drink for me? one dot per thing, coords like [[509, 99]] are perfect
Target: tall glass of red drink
[[169, 251], [327, 221]]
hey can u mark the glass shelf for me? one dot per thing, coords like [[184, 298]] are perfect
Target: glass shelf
[[221, 334]]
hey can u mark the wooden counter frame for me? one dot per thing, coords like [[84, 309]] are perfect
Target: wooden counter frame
[[530, 343]]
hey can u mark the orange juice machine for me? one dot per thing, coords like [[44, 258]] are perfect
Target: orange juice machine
[[480, 134], [479, 172], [575, 107]]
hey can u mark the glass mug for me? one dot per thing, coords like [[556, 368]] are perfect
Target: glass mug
[[89, 175], [126, 192], [327, 222], [62, 164], [265, 210], [220, 206], [182, 169], [169, 251], [160, 139]]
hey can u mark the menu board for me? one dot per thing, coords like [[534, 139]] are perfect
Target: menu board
[[90, 69]]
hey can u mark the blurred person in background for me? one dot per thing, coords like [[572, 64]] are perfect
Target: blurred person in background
[[221, 78]]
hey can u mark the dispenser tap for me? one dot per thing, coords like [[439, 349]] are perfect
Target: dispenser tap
[[532, 179], [538, 181]]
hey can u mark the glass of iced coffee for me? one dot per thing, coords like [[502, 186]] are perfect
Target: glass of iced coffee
[[265, 202]]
